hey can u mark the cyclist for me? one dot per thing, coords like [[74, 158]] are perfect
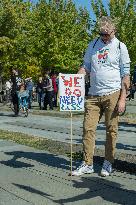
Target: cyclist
[[23, 96]]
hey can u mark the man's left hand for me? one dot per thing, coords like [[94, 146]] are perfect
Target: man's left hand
[[121, 105]]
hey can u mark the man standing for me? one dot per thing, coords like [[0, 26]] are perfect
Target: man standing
[[40, 92], [16, 81], [30, 88], [55, 90], [108, 63], [48, 92]]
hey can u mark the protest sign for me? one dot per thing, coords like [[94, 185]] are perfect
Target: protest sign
[[72, 91]]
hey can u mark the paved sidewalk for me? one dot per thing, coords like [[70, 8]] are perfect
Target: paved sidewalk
[[34, 177], [58, 129]]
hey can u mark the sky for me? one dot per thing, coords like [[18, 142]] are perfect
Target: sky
[[87, 4], [83, 3]]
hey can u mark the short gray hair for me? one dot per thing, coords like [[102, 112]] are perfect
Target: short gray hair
[[106, 23]]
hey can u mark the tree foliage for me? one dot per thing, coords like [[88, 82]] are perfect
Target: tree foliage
[[60, 35], [13, 38], [54, 34], [123, 13]]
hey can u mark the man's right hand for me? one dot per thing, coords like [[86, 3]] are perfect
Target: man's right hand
[[82, 71]]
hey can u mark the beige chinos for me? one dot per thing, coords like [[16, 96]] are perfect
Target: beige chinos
[[94, 107]]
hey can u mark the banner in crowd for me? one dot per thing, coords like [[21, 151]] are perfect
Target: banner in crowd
[[71, 91]]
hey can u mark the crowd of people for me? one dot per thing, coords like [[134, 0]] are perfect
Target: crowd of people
[[45, 90], [107, 64]]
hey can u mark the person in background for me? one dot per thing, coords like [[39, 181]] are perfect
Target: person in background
[[107, 61], [29, 87], [134, 76], [134, 82], [48, 100], [57, 83], [23, 95], [40, 92], [8, 89], [132, 89], [132, 92], [87, 84], [55, 89], [15, 83]]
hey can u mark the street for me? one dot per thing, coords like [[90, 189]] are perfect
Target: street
[[34, 177]]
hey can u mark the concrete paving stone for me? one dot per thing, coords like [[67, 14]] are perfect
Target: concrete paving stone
[[31, 176], [57, 128], [7, 198]]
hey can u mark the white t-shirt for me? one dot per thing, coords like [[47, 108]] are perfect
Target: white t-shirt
[[106, 64], [8, 85], [49, 86]]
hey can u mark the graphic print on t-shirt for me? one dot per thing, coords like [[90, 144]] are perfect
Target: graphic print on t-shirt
[[103, 55]]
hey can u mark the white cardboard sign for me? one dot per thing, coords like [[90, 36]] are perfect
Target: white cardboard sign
[[72, 92]]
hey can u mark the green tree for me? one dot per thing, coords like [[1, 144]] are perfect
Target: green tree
[[14, 15], [60, 35], [123, 13], [49, 35]]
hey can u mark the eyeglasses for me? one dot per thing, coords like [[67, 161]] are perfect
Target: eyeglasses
[[105, 34]]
